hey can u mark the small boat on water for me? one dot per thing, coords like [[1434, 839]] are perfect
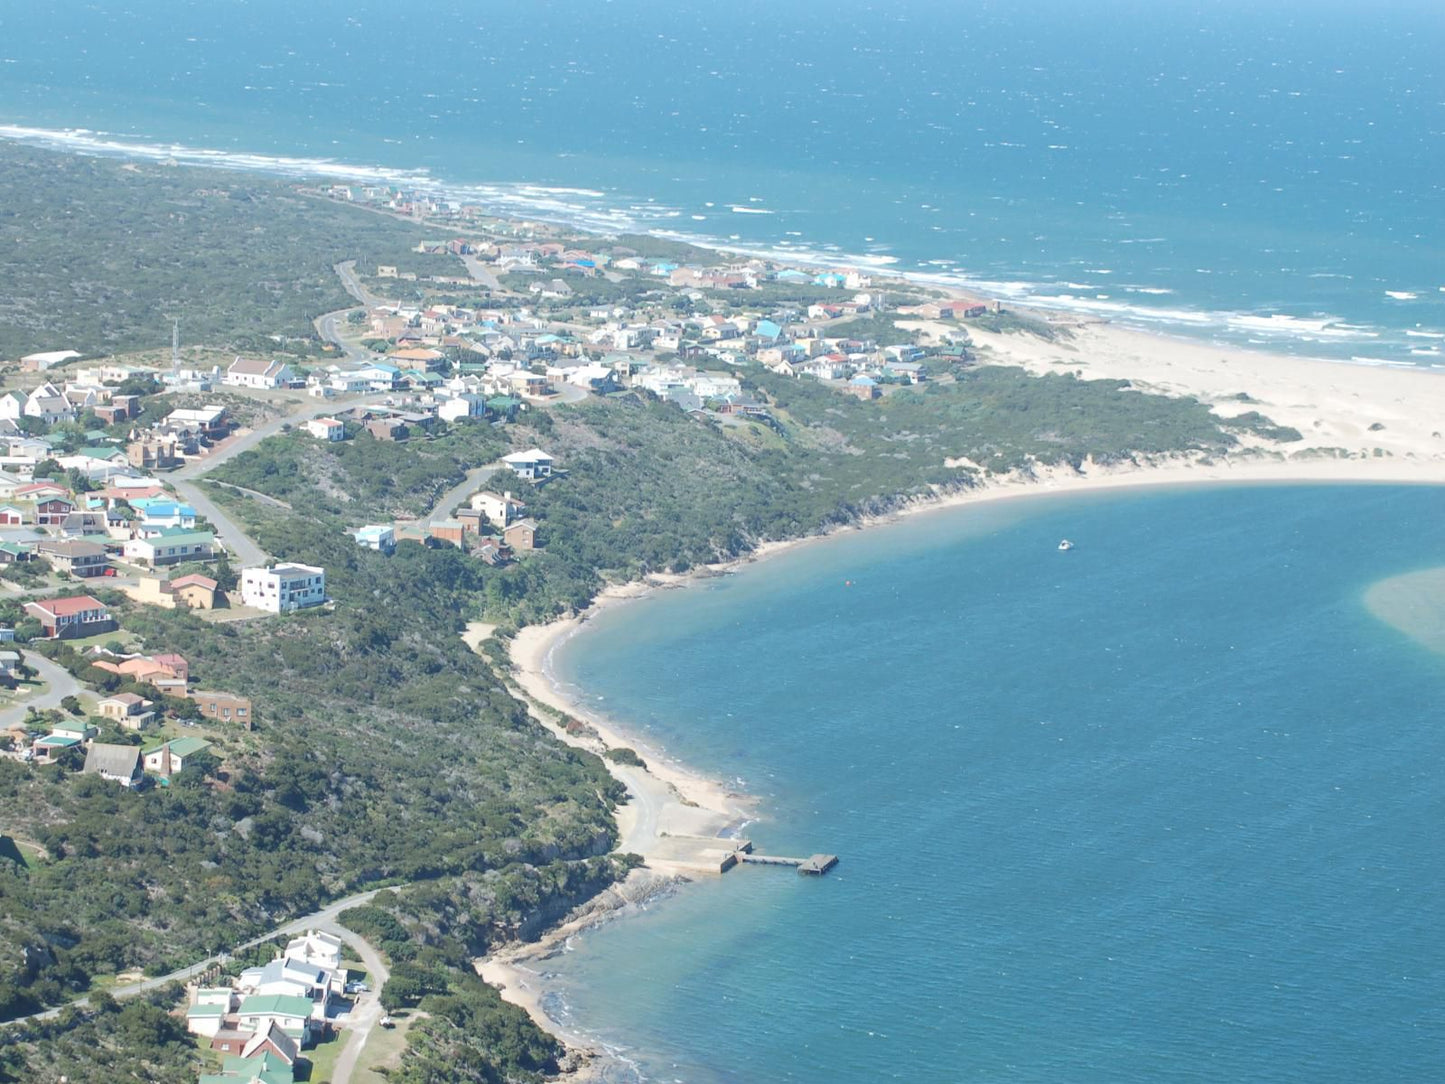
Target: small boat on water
[[1065, 545]]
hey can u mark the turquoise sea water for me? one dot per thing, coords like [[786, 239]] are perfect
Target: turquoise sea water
[[1162, 808], [1262, 173]]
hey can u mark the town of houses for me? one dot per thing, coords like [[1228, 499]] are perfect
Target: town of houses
[[96, 508]]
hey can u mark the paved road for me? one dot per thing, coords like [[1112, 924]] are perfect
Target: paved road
[[329, 328], [458, 493], [480, 273], [60, 683], [347, 273], [246, 552], [325, 918], [367, 1011]]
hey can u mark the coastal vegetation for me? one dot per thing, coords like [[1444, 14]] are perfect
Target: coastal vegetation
[[100, 256]]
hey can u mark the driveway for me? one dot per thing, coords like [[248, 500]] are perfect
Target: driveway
[[325, 918], [367, 1012], [458, 493]]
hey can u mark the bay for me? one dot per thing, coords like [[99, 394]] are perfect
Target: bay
[[1163, 807]]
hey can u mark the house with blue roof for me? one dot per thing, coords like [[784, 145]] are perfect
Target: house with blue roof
[[767, 330], [160, 515]]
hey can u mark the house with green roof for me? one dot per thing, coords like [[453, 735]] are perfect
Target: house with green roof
[[171, 757], [172, 549], [290, 1012], [265, 1068]]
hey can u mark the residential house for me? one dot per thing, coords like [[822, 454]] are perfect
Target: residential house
[[388, 429], [195, 591], [210, 422], [532, 465], [78, 558], [172, 548], [283, 588], [376, 537], [70, 617], [501, 511], [47, 750], [160, 515], [462, 406], [127, 709], [292, 1014], [9, 660], [49, 404], [10, 516], [327, 429], [863, 387], [79, 729], [155, 452], [521, 535], [170, 758], [257, 373], [16, 552], [38, 363], [448, 530], [206, 1019], [118, 763], [224, 707], [316, 947], [84, 525], [51, 511]]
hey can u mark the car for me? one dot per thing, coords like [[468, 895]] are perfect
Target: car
[[109, 572]]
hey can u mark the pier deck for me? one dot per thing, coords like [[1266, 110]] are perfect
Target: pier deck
[[818, 864]]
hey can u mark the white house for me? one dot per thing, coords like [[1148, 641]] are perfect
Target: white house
[[462, 406], [49, 405], [291, 1014], [376, 537], [316, 947], [532, 464], [283, 588], [257, 373], [327, 429], [501, 511]]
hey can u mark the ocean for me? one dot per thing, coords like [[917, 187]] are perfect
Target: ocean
[[1259, 174], [1164, 807]]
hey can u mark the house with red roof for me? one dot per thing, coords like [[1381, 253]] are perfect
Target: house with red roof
[[71, 617]]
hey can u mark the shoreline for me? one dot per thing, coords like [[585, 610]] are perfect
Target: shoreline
[[669, 793], [587, 211]]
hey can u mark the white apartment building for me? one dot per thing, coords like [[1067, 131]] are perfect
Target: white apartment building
[[283, 588]]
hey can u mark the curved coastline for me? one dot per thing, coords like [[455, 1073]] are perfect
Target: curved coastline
[[667, 796]]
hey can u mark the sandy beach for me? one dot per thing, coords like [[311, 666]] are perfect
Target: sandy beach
[[1360, 424]]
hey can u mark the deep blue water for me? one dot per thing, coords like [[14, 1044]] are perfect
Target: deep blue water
[[1162, 808], [1262, 173]]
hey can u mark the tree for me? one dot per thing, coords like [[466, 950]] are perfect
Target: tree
[[72, 705]]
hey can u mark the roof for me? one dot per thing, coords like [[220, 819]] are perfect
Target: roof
[[201, 1011], [167, 508], [122, 760], [274, 1004], [195, 579], [254, 367], [58, 741], [181, 747], [75, 548], [123, 698], [68, 606], [530, 456], [181, 538]]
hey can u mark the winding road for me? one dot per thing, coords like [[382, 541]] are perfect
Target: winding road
[[326, 918]]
